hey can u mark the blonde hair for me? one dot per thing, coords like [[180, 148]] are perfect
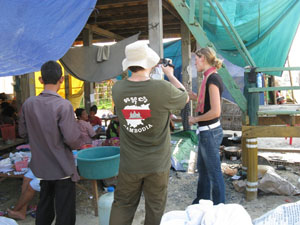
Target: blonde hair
[[210, 56]]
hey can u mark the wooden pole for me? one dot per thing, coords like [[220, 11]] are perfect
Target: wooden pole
[[88, 86], [252, 177], [155, 26], [291, 81], [186, 58]]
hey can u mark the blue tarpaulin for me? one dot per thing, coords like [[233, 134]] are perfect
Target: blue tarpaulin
[[34, 31]]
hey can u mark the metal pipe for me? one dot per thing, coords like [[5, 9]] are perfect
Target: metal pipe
[[280, 88], [272, 69]]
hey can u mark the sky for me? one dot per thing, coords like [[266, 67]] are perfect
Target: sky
[[294, 60]]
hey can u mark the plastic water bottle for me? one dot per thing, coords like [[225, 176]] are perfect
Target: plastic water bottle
[[158, 73], [75, 156], [104, 206], [259, 80]]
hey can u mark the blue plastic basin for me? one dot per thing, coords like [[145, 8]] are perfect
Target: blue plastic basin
[[99, 162]]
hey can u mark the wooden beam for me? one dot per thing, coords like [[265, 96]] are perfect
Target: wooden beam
[[270, 131], [138, 18], [104, 4], [120, 11], [130, 27], [122, 21], [105, 33], [87, 37], [170, 8], [155, 26], [278, 120], [276, 150]]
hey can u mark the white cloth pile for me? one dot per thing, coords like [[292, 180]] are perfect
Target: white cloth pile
[[205, 213]]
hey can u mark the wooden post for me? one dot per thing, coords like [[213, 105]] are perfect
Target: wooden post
[[252, 105], [252, 178], [24, 87], [95, 196], [67, 85], [88, 86], [31, 84], [155, 26], [291, 81], [186, 57]]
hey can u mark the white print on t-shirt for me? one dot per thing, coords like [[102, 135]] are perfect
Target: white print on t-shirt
[[135, 114]]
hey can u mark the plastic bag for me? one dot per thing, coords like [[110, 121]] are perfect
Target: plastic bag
[[7, 221], [287, 214]]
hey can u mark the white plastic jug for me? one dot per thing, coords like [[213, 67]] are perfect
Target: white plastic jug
[[104, 206]]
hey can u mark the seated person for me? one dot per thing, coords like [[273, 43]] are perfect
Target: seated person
[[30, 185], [3, 97], [94, 120], [8, 115], [113, 128], [87, 131], [112, 133]]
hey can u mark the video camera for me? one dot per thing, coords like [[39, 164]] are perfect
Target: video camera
[[166, 62]]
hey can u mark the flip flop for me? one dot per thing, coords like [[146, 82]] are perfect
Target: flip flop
[[31, 209], [33, 214]]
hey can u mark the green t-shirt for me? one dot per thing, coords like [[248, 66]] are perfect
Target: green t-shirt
[[143, 109]]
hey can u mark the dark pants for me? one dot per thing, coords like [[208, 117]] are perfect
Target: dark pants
[[56, 197], [127, 197], [209, 167]]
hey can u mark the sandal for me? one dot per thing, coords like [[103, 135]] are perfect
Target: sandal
[[31, 209]]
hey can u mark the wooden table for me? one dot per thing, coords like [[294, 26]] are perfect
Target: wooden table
[[4, 176], [5, 148]]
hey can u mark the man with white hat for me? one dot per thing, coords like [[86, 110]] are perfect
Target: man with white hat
[[143, 108]]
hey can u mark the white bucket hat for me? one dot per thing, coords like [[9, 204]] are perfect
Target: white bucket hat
[[139, 54]]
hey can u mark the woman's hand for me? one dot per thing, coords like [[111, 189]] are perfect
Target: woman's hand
[[192, 95], [192, 120]]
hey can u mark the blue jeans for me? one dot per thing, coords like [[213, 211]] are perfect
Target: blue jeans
[[209, 167]]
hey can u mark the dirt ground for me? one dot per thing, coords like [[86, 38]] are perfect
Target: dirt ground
[[181, 192]]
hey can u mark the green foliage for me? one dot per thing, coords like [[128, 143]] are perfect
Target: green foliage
[[104, 104], [103, 95]]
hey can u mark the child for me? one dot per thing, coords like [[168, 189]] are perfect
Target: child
[[94, 120]]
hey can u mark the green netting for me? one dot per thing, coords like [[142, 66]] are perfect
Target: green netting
[[267, 28]]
